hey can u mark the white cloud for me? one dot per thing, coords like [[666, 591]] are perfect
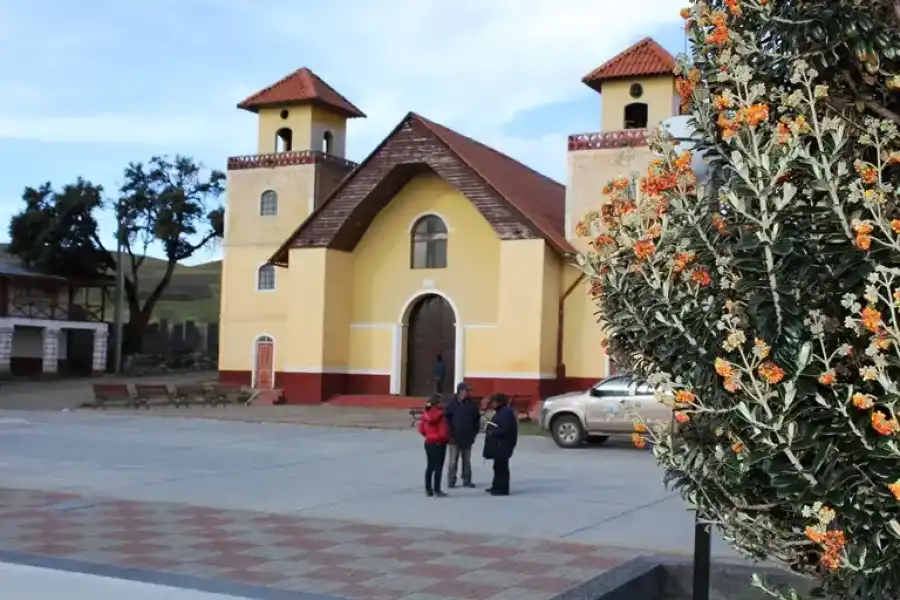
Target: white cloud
[[470, 64]]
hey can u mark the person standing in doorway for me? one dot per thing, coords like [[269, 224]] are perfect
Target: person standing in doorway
[[433, 427], [440, 370], [501, 435], [464, 420]]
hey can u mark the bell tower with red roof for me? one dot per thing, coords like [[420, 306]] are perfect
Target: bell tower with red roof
[[299, 159], [638, 93]]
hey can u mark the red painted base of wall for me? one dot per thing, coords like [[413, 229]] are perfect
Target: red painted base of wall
[[315, 388]]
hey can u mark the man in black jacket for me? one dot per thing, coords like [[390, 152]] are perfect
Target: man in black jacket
[[464, 420], [501, 437]]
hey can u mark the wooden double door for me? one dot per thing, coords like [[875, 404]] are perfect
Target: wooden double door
[[431, 333]]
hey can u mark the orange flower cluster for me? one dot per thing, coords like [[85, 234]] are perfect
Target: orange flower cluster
[[682, 260], [786, 128], [734, 7], [640, 427], [597, 290], [833, 543], [750, 116], [863, 235], [700, 276], [685, 13], [737, 447], [726, 371], [828, 377], [685, 397], [719, 223], [643, 249], [871, 319], [685, 87], [638, 440], [895, 489], [770, 372], [720, 35], [761, 348], [895, 225], [866, 172], [603, 240], [682, 417], [862, 401], [883, 424], [893, 158]]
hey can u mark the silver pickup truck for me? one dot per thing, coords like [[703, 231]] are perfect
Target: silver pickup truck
[[603, 410]]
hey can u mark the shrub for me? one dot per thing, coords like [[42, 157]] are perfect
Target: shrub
[[764, 299]]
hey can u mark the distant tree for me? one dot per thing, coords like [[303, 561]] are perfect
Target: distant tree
[[171, 203]]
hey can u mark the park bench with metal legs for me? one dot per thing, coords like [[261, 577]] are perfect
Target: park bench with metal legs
[[187, 394], [221, 394], [155, 394], [108, 395]]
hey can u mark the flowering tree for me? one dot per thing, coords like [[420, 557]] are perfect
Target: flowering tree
[[765, 299]]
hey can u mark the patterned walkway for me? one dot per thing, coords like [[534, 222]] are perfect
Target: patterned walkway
[[336, 558]]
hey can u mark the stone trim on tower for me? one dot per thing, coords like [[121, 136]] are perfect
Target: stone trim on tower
[[101, 343], [51, 350], [6, 347]]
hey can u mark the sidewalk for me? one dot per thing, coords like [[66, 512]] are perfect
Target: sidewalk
[[171, 544]]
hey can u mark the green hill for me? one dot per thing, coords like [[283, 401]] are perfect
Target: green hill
[[192, 295]]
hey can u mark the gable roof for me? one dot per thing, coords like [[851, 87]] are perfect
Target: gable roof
[[301, 87], [517, 201], [645, 58]]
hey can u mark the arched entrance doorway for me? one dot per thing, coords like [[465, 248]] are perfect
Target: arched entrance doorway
[[264, 365], [431, 333]]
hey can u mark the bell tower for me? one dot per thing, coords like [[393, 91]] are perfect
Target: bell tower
[[300, 157], [638, 90], [301, 112]]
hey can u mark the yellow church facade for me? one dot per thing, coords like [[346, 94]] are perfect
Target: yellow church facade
[[342, 278]]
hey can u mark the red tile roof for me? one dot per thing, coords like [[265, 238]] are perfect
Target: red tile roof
[[301, 87], [538, 198], [644, 58]]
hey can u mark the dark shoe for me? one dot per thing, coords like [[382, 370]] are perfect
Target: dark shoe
[[489, 491], [498, 493], [440, 495], [469, 485], [429, 493], [451, 485]]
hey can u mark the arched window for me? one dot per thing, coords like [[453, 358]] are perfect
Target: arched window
[[268, 204], [265, 277], [429, 243], [636, 116], [283, 140], [328, 143]]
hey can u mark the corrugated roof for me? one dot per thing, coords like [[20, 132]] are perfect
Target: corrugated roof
[[645, 58], [300, 87]]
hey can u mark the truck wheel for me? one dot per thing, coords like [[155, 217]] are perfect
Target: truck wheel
[[567, 431]]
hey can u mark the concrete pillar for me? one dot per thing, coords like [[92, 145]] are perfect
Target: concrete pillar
[[51, 350], [6, 348], [101, 344]]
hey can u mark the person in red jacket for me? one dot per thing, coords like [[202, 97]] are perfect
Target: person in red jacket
[[433, 427]]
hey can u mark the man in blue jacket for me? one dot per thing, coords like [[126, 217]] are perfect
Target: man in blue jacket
[[501, 437], [464, 419]]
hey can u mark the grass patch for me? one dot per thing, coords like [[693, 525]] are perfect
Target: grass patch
[[532, 428]]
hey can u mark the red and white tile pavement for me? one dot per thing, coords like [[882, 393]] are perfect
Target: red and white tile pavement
[[286, 552]]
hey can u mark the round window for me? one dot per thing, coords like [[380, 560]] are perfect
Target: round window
[[284, 114], [637, 90]]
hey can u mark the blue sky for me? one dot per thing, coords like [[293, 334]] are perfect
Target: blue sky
[[89, 86]]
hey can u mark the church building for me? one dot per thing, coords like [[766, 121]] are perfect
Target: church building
[[342, 278]]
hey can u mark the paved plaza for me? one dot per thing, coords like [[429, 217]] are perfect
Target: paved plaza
[[202, 504]]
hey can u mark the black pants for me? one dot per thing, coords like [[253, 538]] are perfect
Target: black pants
[[500, 485], [435, 455], [438, 385]]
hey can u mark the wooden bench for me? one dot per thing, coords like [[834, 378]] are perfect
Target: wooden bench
[[113, 394], [157, 394], [216, 394], [186, 394], [521, 404]]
